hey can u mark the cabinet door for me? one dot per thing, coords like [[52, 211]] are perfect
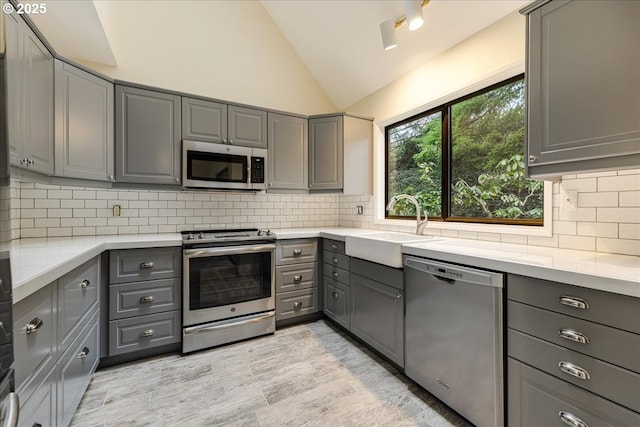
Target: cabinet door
[[583, 88], [38, 107], [204, 120], [147, 136], [377, 316], [84, 124], [15, 104], [40, 408], [337, 302], [288, 152], [247, 127], [326, 153]]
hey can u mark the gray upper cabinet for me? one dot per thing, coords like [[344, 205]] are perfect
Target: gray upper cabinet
[[148, 135], [247, 127], [210, 121], [204, 120], [288, 152], [325, 153], [583, 90], [30, 98], [84, 124]]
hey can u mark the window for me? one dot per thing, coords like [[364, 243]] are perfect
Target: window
[[464, 161]]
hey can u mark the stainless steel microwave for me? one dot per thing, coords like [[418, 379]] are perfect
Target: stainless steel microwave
[[223, 166]]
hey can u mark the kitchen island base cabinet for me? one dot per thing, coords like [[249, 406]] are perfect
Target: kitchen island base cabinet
[[538, 399]]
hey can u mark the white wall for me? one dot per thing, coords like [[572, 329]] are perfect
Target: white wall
[[229, 50]]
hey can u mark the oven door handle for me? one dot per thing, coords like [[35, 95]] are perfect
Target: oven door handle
[[232, 250]]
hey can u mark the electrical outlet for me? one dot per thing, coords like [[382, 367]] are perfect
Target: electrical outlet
[[116, 210], [360, 209], [569, 200]]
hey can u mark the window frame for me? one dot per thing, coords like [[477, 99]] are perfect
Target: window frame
[[446, 148]]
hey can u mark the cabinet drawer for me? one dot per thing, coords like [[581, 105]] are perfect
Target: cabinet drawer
[[609, 381], [337, 302], [139, 333], [611, 345], [380, 273], [537, 399], [148, 297], [296, 251], [619, 311], [333, 246], [40, 408], [296, 276], [77, 293], [335, 259], [296, 303], [74, 371], [132, 265], [336, 273], [35, 352]]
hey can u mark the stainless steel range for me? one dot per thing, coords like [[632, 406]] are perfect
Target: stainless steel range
[[228, 286]]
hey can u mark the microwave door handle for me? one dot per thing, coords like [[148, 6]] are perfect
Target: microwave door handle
[[199, 253]]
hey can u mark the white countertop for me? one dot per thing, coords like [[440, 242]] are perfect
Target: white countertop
[[37, 262]]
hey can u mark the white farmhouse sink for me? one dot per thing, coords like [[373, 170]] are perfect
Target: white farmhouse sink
[[384, 247]]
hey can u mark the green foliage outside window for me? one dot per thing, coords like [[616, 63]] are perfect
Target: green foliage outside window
[[486, 146]]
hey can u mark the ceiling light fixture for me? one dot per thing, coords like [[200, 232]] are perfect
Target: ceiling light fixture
[[413, 18]]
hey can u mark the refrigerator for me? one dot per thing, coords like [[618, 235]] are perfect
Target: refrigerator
[[9, 404]]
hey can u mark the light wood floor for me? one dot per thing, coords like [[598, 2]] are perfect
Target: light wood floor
[[306, 375]]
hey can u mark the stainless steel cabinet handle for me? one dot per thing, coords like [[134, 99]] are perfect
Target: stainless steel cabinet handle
[[148, 333], [575, 370], [575, 336], [297, 278], [532, 158], [231, 141], [224, 140], [34, 325], [85, 284], [569, 419], [398, 295], [574, 302], [334, 246], [335, 260], [147, 299], [297, 252], [297, 304], [335, 274], [334, 294], [148, 264], [84, 353]]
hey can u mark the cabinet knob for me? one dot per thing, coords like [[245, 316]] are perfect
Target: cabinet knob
[[297, 304], [297, 278], [398, 295], [224, 140], [532, 159], [271, 184], [34, 325], [571, 420], [297, 252], [148, 264], [177, 180], [335, 260], [147, 299], [231, 141], [334, 246], [334, 294], [574, 370], [148, 333], [84, 353], [335, 274], [85, 284], [111, 178]]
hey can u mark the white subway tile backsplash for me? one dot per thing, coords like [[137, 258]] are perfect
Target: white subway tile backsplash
[[630, 198], [582, 243], [71, 204], [619, 183], [582, 185], [619, 246], [597, 229], [565, 227], [629, 215], [598, 199], [628, 231]]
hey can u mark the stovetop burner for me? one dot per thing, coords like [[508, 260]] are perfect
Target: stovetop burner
[[238, 235]]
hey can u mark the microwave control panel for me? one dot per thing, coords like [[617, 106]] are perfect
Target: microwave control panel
[[257, 170]]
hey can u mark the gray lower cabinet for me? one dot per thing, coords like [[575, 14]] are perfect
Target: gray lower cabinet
[[30, 98], [288, 152], [145, 299], [573, 355], [84, 142], [297, 290], [337, 302], [583, 100], [148, 136], [56, 346]]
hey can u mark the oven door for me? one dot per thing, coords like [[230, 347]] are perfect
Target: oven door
[[211, 165], [225, 282]]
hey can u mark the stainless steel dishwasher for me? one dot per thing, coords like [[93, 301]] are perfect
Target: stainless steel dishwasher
[[453, 337]]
